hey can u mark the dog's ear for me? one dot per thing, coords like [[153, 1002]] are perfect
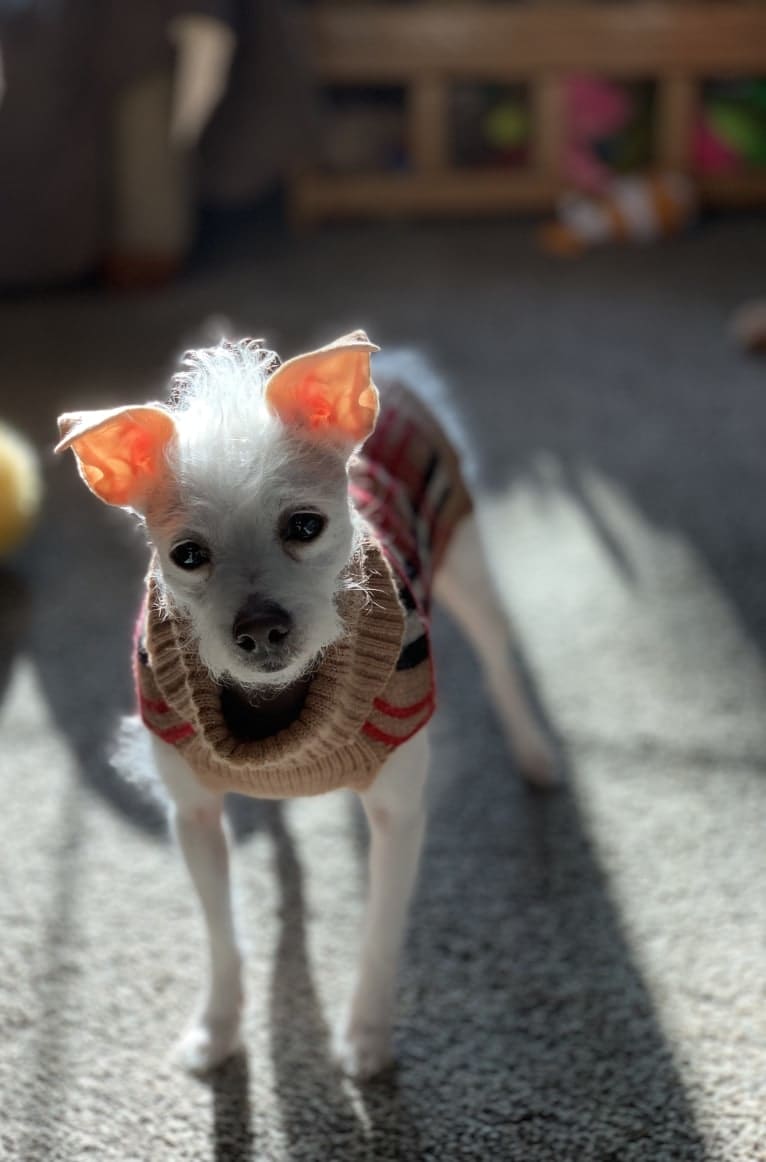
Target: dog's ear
[[328, 393], [120, 452]]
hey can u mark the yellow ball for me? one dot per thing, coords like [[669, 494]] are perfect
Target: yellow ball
[[20, 488]]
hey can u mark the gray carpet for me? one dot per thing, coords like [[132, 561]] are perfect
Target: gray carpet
[[584, 973]]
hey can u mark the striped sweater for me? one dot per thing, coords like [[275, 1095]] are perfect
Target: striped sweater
[[374, 688]]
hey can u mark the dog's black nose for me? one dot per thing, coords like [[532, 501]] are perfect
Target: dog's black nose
[[261, 625]]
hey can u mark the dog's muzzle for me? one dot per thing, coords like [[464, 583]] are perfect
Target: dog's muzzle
[[262, 629]]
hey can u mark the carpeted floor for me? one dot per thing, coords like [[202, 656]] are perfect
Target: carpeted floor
[[584, 974]]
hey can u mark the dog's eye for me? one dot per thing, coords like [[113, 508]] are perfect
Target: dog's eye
[[189, 555], [303, 526]]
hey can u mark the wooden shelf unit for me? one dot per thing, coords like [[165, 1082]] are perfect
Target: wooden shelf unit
[[428, 47]]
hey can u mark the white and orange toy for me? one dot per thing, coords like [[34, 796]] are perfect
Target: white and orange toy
[[632, 209]]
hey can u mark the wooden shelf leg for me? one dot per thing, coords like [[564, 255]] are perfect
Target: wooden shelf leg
[[548, 127], [677, 101], [428, 116]]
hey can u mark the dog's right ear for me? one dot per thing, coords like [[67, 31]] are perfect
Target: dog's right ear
[[120, 453]]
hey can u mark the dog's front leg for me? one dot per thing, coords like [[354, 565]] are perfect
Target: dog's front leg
[[199, 826], [395, 810]]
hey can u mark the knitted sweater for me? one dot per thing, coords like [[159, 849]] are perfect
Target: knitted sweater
[[374, 688]]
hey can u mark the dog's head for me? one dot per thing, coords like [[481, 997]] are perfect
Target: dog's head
[[243, 486]]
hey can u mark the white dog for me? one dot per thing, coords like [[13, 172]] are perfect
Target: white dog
[[283, 647]]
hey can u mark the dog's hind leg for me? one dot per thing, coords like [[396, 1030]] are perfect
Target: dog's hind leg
[[464, 587], [395, 810], [200, 828]]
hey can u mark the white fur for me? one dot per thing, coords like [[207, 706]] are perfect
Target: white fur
[[464, 587], [235, 470], [395, 810]]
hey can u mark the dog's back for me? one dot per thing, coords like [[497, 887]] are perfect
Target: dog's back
[[407, 482]]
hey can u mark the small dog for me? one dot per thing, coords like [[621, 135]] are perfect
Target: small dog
[[283, 648]]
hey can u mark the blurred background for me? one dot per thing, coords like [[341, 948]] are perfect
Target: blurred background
[[562, 205]]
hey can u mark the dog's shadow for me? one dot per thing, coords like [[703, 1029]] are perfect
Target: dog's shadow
[[301, 1039], [523, 1019], [86, 566], [233, 1133]]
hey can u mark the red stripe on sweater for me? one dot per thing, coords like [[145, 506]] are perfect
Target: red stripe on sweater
[[403, 711], [379, 735], [175, 734], [155, 707], [396, 455]]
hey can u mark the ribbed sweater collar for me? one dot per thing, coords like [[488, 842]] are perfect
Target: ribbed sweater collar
[[352, 672]]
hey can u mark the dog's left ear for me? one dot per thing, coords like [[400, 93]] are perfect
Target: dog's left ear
[[328, 393], [121, 452]]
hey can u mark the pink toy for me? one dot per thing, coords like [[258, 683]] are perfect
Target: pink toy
[[595, 109], [710, 153]]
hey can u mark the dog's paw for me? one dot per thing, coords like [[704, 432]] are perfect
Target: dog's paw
[[363, 1050], [207, 1043]]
